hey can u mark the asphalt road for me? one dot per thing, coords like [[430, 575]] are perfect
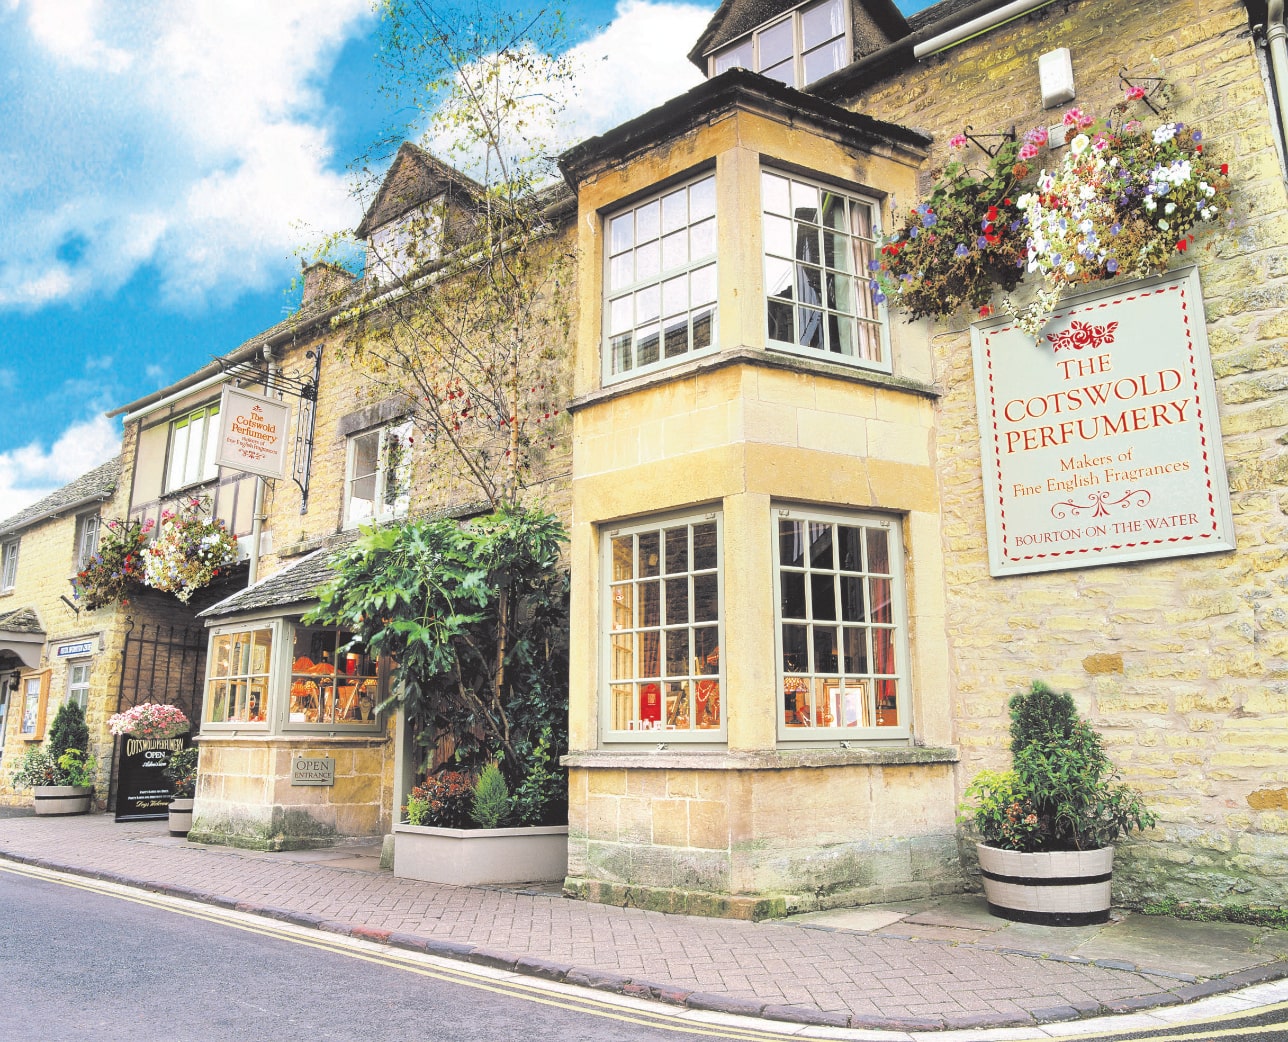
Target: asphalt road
[[76, 964]]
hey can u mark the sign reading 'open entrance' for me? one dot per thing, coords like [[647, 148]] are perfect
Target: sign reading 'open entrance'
[[1101, 443]]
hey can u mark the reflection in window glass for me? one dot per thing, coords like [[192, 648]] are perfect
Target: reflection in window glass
[[798, 49], [663, 639], [237, 682], [818, 244], [331, 682]]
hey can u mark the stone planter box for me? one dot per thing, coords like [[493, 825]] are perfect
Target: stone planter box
[[1056, 888], [469, 857], [62, 799], [180, 816]]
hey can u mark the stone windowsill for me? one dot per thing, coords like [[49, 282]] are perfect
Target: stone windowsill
[[768, 760], [310, 738]]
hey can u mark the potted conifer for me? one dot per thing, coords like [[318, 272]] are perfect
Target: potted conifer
[[1048, 824], [61, 775]]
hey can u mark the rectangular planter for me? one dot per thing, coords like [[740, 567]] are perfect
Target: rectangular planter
[[469, 857]]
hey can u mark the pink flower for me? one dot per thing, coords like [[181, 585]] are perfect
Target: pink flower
[[957, 141], [1028, 150], [1134, 93], [1037, 136], [1100, 142], [1075, 117]]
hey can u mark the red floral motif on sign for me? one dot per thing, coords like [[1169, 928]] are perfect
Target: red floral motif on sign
[[1083, 334]]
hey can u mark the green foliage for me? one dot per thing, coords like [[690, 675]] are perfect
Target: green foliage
[[182, 772], [490, 806], [474, 616], [68, 731], [1202, 912], [542, 797], [443, 801], [1063, 792], [115, 569], [39, 767], [77, 768]]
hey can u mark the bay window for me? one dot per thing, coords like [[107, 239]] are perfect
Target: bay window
[[331, 683], [803, 46], [663, 621], [660, 300], [237, 676], [818, 243], [841, 635]]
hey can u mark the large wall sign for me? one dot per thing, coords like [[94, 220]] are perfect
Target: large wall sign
[[252, 433], [1101, 444]]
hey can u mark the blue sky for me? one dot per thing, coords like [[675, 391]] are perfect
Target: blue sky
[[163, 166]]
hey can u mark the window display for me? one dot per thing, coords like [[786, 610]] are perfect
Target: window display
[[331, 684], [664, 619], [238, 674], [841, 626]]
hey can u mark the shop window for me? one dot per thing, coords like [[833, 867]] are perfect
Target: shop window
[[87, 528], [78, 683], [797, 49], [193, 442], [660, 301], [332, 683], [378, 476], [237, 684], [663, 630], [841, 633], [818, 243], [8, 564]]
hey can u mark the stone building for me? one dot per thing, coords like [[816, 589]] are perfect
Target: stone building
[[791, 649]]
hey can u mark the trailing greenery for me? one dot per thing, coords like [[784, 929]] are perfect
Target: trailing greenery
[[115, 569], [542, 797], [1202, 912], [68, 731], [490, 805], [1062, 792]]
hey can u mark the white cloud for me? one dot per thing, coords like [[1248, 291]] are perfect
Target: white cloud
[[190, 136], [31, 472]]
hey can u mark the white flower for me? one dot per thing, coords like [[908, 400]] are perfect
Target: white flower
[[1206, 213], [1209, 191], [1149, 203], [1163, 225], [1164, 133], [1169, 208], [1079, 144], [1087, 192]]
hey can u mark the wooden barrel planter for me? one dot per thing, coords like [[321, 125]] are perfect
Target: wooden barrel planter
[[1055, 888], [62, 799], [180, 817]]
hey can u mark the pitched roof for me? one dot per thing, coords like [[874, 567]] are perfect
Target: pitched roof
[[414, 177], [22, 620], [291, 585], [95, 486]]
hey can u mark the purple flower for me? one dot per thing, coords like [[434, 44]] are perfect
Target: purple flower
[[1197, 135], [981, 242], [929, 220], [874, 265], [1111, 265], [961, 250]]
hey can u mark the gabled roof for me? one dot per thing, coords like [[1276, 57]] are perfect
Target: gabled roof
[[22, 620], [733, 18], [414, 178], [93, 487]]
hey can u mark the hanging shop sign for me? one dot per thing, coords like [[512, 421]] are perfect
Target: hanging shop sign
[[1101, 443], [252, 433], [143, 792]]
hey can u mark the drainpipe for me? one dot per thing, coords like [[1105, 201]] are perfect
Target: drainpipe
[[258, 517], [1277, 45]]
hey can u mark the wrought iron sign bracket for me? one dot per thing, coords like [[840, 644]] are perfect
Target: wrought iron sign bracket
[[989, 150]]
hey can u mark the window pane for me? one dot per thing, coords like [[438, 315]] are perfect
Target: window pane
[[778, 235], [648, 260], [620, 317], [809, 285], [677, 652], [795, 649], [621, 233], [623, 558], [677, 550], [675, 296], [775, 44], [878, 551], [178, 455], [793, 595], [856, 649], [622, 656], [646, 346], [706, 650], [807, 245], [704, 546], [675, 250], [739, 57], [677, 601], [774, 193], [702, 239], [804, 202], [706, 598], [621, 353], [779, 316], [821, 22], [822, 596], [675, 210], [881, 607], [852, 598], [209, 469], [702, 285], [650, 561], [791, 543], [825, 650], [887, 704], [707, 703], [820, 545], [883, 650], [703, 324], [650, 605], [647, 304], [646, 222], [810, 330], [678, 706], [650, 654], [702, 194], [778, 278], [823, 60], [621, 271], [849, 543]]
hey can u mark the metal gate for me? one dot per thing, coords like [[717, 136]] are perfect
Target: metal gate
[[164, 664]]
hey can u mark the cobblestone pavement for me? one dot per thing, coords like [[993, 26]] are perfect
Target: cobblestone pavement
[[782, 970]]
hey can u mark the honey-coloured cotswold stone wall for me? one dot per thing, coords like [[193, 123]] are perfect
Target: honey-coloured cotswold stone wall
[[1182, 664]]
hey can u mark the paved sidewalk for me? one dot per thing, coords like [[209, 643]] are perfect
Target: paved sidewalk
[[943, 963]]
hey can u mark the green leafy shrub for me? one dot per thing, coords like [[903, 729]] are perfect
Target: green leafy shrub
[[542, 797], [38, 767], [1062, 793], [443, 801], [68, 731], [490, 806], [182, 772]]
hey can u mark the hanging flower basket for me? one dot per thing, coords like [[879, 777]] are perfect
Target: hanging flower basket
[[190, 552], [1120, 201], [116, 568]]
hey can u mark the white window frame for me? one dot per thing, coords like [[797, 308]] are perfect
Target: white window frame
[[389, 258], [78, 689], [630, 293], [638, 681], [819, 681], [724, 58], [868, 321], [9, 563], [383, 509], [202, 468], [88, 527]]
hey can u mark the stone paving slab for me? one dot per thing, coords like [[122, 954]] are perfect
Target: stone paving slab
[[779, 970]]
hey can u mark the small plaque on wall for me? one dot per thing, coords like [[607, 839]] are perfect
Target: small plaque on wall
[[313, 770], [1101, 443]]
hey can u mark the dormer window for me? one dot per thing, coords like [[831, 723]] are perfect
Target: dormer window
[[804, 45], [396, 249]]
